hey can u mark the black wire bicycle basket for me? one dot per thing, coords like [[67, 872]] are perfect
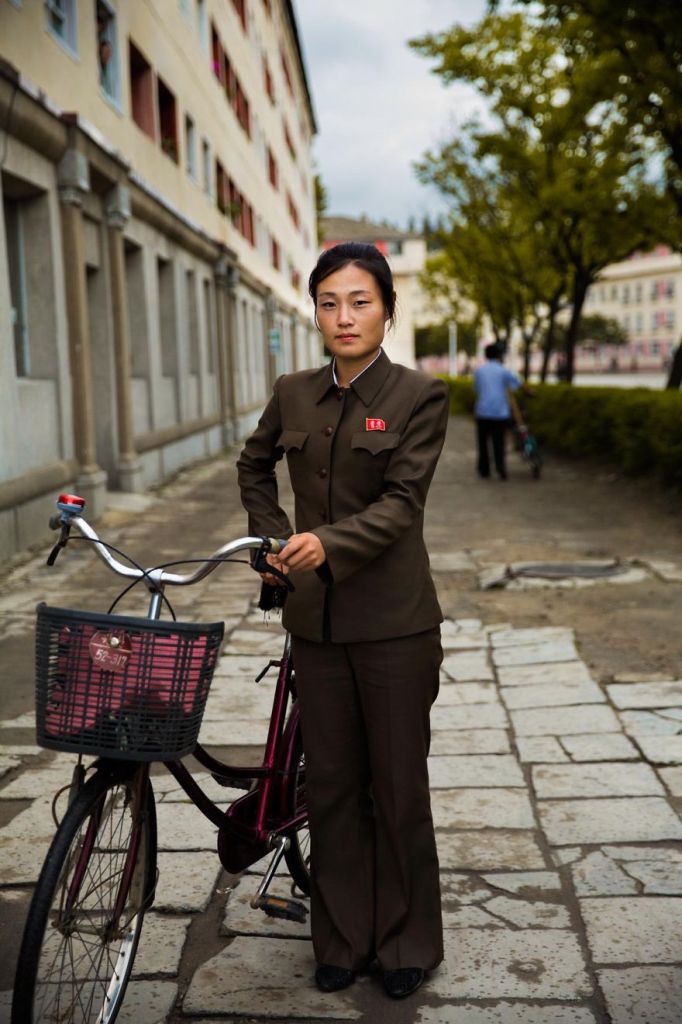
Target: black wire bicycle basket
[[122, 687]]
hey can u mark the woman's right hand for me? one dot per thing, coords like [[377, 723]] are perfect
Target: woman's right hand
[[268, 577]]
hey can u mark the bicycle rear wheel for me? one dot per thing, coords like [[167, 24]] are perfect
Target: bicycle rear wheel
[[85, 919], [298, 855]]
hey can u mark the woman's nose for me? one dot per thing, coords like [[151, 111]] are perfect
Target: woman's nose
[[344, 316]]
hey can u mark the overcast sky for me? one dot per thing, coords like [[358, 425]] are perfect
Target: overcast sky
[[378, 105]]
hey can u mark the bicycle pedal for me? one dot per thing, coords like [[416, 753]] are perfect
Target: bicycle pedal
[[224, 780], [277, 906]]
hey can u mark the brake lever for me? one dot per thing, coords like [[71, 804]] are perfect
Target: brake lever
[[63, 539]]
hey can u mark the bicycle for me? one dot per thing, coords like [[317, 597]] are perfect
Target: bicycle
[[131, 691]]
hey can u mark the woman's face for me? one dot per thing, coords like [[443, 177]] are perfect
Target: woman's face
[[350, 313]]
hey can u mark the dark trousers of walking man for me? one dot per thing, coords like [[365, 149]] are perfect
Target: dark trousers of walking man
[[494, 430]]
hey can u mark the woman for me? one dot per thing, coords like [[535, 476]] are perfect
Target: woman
[[362, 437]]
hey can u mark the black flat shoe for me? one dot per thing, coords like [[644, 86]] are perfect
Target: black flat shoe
[[331, 979], [403, 981]]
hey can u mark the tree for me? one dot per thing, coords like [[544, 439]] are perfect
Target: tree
[[434, 339], [571, 168], [630, 53]]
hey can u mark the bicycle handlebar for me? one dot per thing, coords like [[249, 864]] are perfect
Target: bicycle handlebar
[[69, 515]]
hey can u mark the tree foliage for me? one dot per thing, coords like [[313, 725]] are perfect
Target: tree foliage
[[560, 178]]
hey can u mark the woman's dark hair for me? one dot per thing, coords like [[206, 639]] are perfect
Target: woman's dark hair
[[364, 255]]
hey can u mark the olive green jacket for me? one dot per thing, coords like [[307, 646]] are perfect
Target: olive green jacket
[[360, 460]]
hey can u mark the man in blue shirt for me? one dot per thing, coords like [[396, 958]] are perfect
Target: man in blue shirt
[[492, 382]]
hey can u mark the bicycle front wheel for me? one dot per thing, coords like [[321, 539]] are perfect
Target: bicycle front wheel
[[86, 915], [298, 855]]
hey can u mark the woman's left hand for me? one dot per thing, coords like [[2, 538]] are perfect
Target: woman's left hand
[[303, 551]]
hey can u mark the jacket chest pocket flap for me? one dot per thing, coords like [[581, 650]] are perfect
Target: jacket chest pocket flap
[[292, 439], [375, 441]]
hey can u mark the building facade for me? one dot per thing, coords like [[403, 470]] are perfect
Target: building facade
[[644, 294], [157, 225]]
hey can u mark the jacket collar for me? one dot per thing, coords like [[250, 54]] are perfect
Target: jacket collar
[[366, 386]]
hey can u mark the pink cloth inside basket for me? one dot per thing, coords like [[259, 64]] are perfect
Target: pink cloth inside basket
[[162, 671]]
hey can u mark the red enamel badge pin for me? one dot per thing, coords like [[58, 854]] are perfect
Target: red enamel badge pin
[[374, 424]]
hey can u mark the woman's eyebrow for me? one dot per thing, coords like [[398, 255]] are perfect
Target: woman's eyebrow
[[359, 291]]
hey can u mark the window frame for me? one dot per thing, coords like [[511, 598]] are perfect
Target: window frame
[[69, 41], [110, 35]]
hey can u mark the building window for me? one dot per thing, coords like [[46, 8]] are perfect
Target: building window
[[288, 140], [614, 292], [62, 21], [275, 254], [268, 80], [638, 323], [185, 7], [626, 294], [217, 56], [242, 109], [293, 212], [190, 148], [222, 188], [670, 319], [240, 8], [202, 25], [107, 50], [206, 168], [141, 91], [167, 119], [653, 292], [16, 262], [638, 292], [287, 73], [395, 247], [273, 176], [670, 289]]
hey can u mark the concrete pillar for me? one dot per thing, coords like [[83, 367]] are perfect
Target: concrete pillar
[[117, 212], [232, 280], [73, 182], [226, 385]]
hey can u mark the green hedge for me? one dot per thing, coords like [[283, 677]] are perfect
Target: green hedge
[[636, 429]]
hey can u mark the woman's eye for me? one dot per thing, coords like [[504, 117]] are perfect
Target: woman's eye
[[362, 302], [326, 305]]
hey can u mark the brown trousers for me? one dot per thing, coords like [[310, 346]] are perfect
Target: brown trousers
[[365, 721]]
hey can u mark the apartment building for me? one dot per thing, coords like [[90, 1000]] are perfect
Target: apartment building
[[157, 228], [644, 294]]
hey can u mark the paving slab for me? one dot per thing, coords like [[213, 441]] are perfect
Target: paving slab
[[580, 718], [482, 808], [187, 881], [531, 675], [609, 746], [468, 666], [525, 914], [525, 883], [471, 741], [535, 654], [651, 723], [621, 778], [161, 944], [489, 850], [646, 695], [482, 770], [232, 732], [148, 1002], [467, 693], [452, 627], [625, 819], [636, 929], [672, 778], [519, 637], [552, 694], [465, 642], [597, 874], [451, 561], [504, 1013], [661, 749], [500, 963], [235, 980], [540, 750], [468, 716], [642, 994], [184, 827]]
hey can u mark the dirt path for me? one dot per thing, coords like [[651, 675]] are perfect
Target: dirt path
[[576, 511]]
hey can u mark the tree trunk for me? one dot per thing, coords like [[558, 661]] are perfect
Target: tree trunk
[[675, 376], [580, 286], [549, 337]]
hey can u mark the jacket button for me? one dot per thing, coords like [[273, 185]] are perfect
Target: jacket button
[[328, 431], [322, 473], [339, 394]]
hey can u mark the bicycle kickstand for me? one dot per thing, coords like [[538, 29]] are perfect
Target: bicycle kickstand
[[278, 906]]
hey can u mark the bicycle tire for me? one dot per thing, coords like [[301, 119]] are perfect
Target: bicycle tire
[[297, 857], [69, 968]]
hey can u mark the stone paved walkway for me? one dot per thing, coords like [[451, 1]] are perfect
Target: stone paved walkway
[[555, 798]]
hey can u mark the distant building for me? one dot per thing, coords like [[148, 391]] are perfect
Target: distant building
[[406, 254], [644, 294], [158, 224]]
